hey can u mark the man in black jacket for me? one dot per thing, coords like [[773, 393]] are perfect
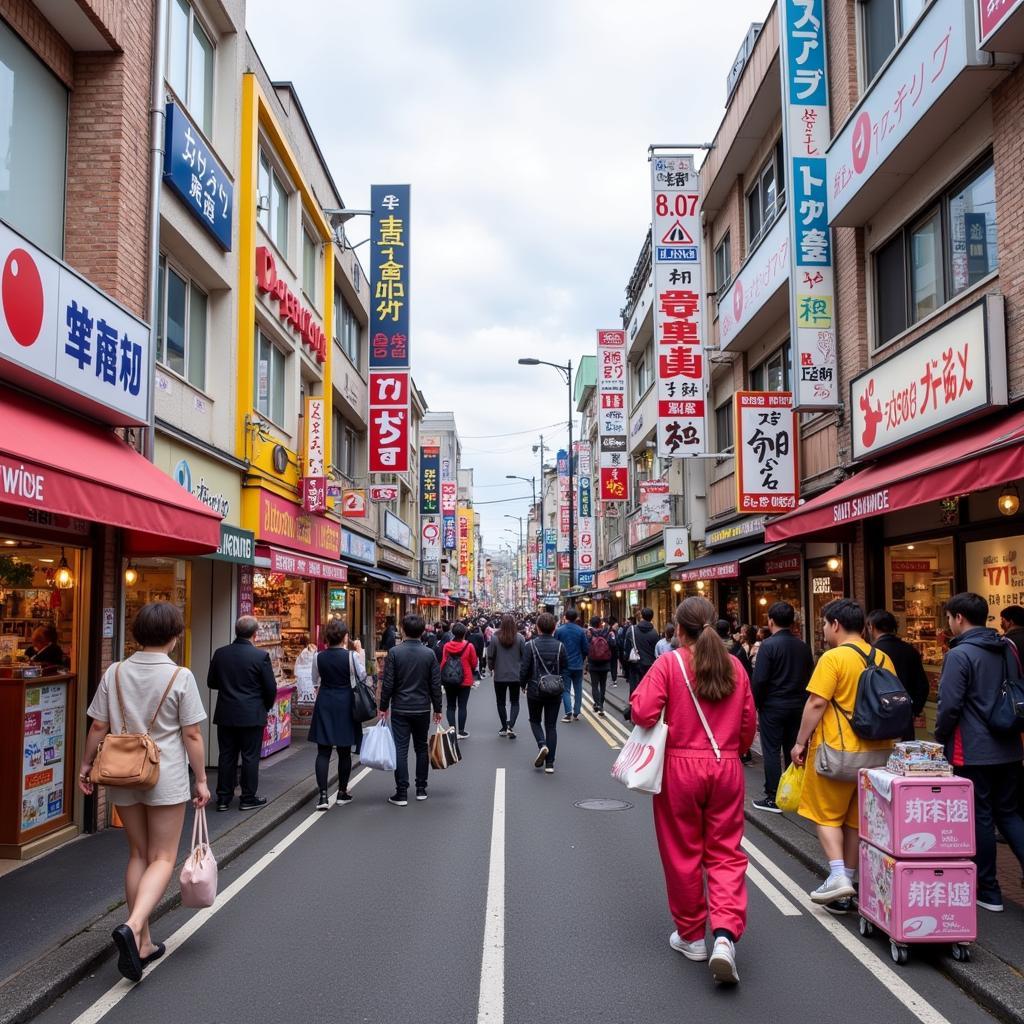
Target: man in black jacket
[[905, 658], [242, 675], [644, 638], [781, 673], [411, 687], [972, 673]]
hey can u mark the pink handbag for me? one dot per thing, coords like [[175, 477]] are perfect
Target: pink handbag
[[198, 878]]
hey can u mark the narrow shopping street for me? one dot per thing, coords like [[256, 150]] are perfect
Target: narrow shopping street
[[379, 914]]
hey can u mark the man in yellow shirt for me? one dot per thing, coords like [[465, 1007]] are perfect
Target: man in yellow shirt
[[830, 803]]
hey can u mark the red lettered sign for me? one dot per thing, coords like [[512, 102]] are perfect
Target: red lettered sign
[[389, 421]]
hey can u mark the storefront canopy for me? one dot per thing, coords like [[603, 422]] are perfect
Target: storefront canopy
[[970, 459], [722, 564], [400, 584], [55, 462], [639, 580]]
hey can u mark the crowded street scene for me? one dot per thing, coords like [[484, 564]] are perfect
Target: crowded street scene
[[511, 513]]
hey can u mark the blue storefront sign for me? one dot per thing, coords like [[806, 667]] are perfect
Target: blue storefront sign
[[430, 494], [389, 276], [358, 547], [197, 176], [550, 543]]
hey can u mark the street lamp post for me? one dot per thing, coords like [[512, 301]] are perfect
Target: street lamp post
[[566, 372]]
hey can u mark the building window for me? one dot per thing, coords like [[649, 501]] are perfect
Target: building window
[[309, 265], [273, 204], [190, 63], [723, 265], [33, 144], [766, 200], [643, 372], [774, 373], [723, 426], [181, 325], [344, 443], [270, 373], [346, 328], [948, 248], [883, 24]]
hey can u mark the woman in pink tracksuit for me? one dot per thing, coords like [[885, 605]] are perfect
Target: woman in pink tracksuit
[[698, 816]]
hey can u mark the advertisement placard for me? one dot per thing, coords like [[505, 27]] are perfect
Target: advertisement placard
[[388, 439], [767, 480], [612, 418], [389, 277]]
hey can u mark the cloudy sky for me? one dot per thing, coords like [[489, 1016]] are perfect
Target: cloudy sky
[[523, 129]]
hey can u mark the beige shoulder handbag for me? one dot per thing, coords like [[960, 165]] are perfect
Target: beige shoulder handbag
[[130, 759]]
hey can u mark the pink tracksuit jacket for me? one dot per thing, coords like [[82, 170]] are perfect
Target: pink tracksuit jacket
[[698, 816]]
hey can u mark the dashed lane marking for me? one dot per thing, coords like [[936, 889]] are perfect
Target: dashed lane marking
[[491, 1005]]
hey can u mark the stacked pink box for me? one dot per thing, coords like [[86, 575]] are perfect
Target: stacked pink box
[[916, 883]]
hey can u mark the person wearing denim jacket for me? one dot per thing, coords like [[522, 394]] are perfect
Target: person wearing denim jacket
[[577, 646]]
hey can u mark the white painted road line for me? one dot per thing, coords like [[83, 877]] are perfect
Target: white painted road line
[[491, 1006], [874, 964], [117, 992]]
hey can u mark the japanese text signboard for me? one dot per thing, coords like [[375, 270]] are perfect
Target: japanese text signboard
[[314, 483], [655, 503], [992, 16], [681, 369], [766, 460], [763, 274], [197, 176], [806, 130], [612, 419], [956, 372], [430, 467], [586, 551], [389, 276], [563, 500], [449, 502], [923, 68], [63, 338], [389, 421]]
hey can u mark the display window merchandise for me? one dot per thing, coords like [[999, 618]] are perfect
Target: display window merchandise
[[157, 579]]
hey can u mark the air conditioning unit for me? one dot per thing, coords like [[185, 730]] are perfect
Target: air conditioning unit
[[746, 49]]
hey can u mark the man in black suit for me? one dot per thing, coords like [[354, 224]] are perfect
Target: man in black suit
[[244, 678], [881, 627]]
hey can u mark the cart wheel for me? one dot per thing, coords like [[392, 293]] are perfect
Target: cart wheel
[[866, 927], [962, 952], [900, 954]]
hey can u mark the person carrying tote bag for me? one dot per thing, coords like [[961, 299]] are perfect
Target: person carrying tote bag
[[705, 697], [134, 692]]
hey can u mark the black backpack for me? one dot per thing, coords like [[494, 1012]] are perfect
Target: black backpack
[[1007, 713], [883, 709], [452, 672]]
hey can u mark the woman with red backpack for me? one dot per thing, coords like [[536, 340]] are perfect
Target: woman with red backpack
[[458, 665], [599, 661]]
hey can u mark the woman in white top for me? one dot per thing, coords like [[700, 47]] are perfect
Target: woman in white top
[[152, 818]]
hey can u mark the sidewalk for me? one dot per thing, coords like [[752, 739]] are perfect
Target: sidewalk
[[59, 909], [995, 976]]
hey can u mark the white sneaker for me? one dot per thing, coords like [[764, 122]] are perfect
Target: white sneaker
[[723, 962], [696, 950], [835, 887], [542, 755]]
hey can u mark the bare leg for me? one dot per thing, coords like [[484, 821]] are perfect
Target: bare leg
[[831, 840], [163, 831], [137, 833], [851, 847]]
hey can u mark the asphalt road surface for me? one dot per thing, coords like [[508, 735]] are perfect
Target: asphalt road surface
[[500, 900]]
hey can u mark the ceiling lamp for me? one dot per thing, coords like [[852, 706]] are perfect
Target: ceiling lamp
[[677, 587], [63, 577], [1009, 500], [131, 575], [833, 564], [700, 584]]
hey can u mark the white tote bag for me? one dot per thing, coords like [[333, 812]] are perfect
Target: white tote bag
[[641, 761], [378, 748]]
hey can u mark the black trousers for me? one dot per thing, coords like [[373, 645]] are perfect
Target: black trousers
[[598, 681], [323, 764], [546, 708], [417, 727], [615, 668], [238, 741], [511, 691], [457, 697], [779, 728], [995, 806], [634, 673]]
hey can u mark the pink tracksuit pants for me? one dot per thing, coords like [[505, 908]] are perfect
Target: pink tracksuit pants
[[698, 818]]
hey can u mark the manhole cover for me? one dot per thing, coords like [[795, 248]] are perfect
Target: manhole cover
[[603, 805]]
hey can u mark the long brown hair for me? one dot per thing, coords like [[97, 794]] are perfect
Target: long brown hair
[[507, 631], [711, 661]]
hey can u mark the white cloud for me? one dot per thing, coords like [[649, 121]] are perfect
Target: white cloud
[[523, 129]]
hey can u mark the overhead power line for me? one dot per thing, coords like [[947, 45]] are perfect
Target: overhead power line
[[509, 433]]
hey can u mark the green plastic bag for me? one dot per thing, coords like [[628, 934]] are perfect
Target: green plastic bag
[[791, 785]]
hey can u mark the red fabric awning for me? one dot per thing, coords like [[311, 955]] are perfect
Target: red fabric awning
[[969, 459], [54, 461]]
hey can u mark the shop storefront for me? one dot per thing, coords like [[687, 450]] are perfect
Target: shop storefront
[[354, 601]]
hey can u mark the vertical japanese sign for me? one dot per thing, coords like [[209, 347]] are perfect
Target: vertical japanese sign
[[314, 481], [806, 130], [563, 504], [766, 463], [612, 422], [678, 306], [389, 421], [465, 516], [550, 548], [389, 328], [585, 523], [430, 466], [449, 500]]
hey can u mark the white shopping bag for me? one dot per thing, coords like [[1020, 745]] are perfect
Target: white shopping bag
[[641, 761], [378, 748]]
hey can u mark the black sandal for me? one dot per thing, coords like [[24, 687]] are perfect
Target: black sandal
[[128, 960], [158, 952]]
